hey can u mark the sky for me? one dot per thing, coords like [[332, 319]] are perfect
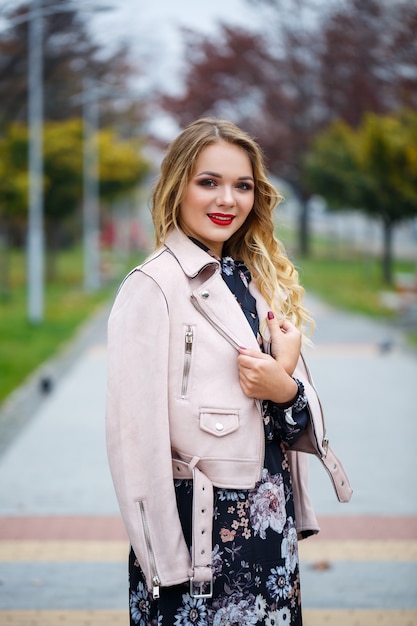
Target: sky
[[152, 28]]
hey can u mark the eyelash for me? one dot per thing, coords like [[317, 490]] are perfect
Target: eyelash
[[209, 182]]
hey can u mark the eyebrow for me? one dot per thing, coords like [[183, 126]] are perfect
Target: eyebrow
[[216, 175]]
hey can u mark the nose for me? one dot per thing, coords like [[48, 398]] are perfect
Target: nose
[[225, 196]]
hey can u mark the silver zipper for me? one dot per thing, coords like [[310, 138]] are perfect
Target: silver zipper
[[155, 578], [188, 348], [220, 330]]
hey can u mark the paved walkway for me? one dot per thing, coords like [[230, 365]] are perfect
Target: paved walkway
[[63, 549]]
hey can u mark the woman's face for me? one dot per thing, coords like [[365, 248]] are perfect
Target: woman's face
[[219, 196]]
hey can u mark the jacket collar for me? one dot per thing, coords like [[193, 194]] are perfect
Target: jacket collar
[[221, 308], [191, 257]]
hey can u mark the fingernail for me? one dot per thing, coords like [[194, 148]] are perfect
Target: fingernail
[[242, 348], [270, 315]]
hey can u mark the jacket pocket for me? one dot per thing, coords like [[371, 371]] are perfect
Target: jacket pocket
[[188, 351], [151, 556], [219, 422]]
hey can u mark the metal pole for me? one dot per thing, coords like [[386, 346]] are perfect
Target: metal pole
[[91, 208], [35, 242]]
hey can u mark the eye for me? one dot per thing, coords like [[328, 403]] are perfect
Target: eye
[[244, 186], [207, 182]]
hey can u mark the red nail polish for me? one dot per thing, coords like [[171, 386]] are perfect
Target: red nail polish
[[270, 315]]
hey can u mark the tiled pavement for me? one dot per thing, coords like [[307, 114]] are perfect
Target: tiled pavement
[[63, 549]]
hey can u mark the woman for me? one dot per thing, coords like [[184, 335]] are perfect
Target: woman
[[209, 397]]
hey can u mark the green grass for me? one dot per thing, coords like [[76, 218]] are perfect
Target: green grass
[[351, 281], [345, 278], [25, 346], [352, 284]]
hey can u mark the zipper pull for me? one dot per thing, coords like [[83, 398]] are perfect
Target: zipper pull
[[155, 587], [188, 340]]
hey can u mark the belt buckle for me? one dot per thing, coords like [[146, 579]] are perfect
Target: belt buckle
[[201, 594]]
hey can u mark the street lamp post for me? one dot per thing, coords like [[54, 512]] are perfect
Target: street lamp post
[[35, 243], [91, 209], [93, 92], [35, 237]]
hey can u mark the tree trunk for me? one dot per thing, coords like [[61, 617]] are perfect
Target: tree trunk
[[387, 273], [303, 223], [304, 226]]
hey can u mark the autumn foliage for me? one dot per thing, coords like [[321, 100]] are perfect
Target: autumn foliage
[[310, 65]]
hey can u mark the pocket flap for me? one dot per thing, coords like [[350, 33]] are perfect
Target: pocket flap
[[219, 423]]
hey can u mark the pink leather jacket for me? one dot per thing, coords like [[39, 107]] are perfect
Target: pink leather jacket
[[175, 407]]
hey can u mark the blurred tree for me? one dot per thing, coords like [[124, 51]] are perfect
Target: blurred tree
[[121, 163], [368, 58], [372, 168], [13, 171], [313, 62], [69, 54], [13, 194]]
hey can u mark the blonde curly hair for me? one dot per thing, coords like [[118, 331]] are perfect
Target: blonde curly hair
[[254, 243]]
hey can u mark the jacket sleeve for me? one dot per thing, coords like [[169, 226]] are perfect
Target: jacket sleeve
[[137, 430], [314, 439]]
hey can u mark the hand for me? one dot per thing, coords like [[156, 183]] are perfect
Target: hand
[[268, 377], [286, 342], [263, 377]]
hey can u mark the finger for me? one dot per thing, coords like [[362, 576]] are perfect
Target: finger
[[251, 353], [287, 326], [275, 324]]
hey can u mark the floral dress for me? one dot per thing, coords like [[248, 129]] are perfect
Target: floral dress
[[256, 578]]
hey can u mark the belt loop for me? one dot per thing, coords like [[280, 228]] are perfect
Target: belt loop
[[193, 462]]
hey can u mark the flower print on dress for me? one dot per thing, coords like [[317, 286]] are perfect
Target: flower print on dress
[[227, 535], [289, 546], [260, 606], [278, 583], [244, 279], [192, 613], [267, 504], [228, 265], [235, 610], [285, 464], [234, 552], [284, 616], [139, 605], [234, 496], [271, 618], [216, 561], [185, 483]]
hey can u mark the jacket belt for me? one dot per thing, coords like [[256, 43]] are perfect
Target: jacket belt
[[202, 522], [338, 475]]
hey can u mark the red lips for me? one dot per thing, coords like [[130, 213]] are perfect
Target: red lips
[[221, 219]]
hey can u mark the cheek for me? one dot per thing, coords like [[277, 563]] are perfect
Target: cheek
[[248, 206], [195, 198]]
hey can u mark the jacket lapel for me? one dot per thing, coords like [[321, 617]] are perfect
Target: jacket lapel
[[214, 300]]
